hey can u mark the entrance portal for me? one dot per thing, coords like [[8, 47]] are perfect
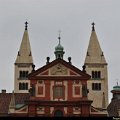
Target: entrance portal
[[58, 113]]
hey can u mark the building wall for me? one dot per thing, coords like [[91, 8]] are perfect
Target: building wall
[[97, 95], [17, 80]]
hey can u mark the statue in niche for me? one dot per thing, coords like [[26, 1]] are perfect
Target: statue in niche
[[32, 90], [84, 90]]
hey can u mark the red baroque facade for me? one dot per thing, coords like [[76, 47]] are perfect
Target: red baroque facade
[[57, 89]]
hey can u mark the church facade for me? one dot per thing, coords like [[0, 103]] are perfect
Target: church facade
[[59, 88]]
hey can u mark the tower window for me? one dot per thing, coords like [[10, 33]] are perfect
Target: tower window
[[23, 75], [23, 86], [96, 86], [58, 92], [96, 74]]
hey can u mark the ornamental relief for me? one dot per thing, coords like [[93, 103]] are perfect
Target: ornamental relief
[[59, 69]]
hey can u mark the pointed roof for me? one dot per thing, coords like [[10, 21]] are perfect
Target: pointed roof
[[94, 51], [24, 53], [6, 98]]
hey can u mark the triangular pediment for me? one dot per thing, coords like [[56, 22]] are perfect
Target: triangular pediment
[[60, 68]]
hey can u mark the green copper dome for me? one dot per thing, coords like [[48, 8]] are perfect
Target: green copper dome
[[59, 50], [116, 87], [59, 47]]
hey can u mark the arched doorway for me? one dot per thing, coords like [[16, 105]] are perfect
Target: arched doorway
[[58, 113]]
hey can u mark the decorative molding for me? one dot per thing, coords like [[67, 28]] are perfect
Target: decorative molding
[[59, 69]]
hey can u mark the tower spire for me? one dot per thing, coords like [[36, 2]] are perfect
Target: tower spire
[[24, 53], [96, 66], [23, 63], [94, 51]]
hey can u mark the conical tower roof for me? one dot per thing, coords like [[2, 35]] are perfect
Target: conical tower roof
[[94, 51], [24, 53]]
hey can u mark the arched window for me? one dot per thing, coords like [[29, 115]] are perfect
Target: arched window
[[23, 75], [99, 86], [26, 86], [20, 86], [23, 86], [99, 74], [96, 74], [96, 86], [93, 74]]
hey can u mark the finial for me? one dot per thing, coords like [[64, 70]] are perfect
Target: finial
[[48, 60], [59, 36], [33, 67], [69, 59], [84, 68], [26, 23], [93, 26]]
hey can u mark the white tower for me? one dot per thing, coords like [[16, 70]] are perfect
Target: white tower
[[23, 65], [96, 66]]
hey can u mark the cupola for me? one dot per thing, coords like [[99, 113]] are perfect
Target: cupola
[[59, 49]]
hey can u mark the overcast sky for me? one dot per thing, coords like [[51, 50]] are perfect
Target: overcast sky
[[46, 18]]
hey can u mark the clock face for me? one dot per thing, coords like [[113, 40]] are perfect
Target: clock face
[[59, 70]]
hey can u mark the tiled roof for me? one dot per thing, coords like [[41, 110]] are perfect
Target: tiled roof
[[5, 100], [113, 107]]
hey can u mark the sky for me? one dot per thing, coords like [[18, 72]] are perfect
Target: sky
[[46, 18]]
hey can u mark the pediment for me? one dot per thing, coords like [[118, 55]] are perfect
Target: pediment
[[58, 68]]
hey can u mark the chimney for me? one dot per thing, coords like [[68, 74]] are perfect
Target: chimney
[[3, 91]]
